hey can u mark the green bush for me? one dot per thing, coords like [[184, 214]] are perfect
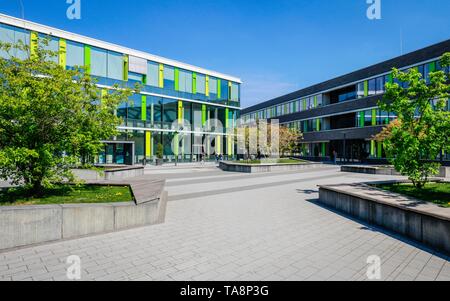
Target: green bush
[[159, 151]]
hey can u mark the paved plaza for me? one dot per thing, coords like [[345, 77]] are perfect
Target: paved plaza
[[226, 226]]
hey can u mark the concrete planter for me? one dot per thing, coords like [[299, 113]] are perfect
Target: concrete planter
[[424, 222], [113, 174], [261, 168], [28, 225], [385, 170]]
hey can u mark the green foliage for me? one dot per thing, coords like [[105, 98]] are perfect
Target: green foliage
[[51, 119], [437, 193], [159, 151], [67, 194], [423, 127]]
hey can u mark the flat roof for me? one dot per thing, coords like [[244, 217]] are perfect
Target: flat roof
[[422, 55], [9, 20]]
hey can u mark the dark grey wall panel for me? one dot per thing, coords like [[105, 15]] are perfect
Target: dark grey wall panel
[[336, 109], [356, 133]]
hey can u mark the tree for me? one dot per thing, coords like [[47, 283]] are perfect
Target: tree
[[421, 133], [289, 139], [50, 117]]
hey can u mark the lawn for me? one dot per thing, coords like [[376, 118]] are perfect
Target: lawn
[[68, 194], [279, 161], [438, 193]]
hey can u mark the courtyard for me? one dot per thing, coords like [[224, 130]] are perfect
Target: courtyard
[[230, 226]]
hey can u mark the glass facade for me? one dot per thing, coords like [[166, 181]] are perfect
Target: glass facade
[[169, 95]]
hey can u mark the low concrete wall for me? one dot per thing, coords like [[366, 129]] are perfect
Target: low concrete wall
[[109, 175], [424, 222], [444, 171], [261, 168], [27, 225]]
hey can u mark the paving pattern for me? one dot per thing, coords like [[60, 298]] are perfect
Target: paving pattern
[[223, 226]]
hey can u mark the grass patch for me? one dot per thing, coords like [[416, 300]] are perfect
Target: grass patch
[[437, 193], [279, 161], [68, 194]]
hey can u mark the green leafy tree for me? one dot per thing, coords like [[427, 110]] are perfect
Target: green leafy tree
[[421, 133], [51, 119]]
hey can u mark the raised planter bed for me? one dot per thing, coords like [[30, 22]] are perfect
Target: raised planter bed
[[424, 222], [386, 170], [116, 173], [28, 225], [261, 168]]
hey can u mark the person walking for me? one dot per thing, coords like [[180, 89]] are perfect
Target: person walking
[[202, 159], [335, 154]]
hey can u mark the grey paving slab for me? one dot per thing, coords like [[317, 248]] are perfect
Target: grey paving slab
[[237, 227]]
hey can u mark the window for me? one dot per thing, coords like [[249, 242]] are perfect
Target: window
[[7, 36], [74, 54], [360, 90], [278, 111], [52, 44], [421, 70], [10, 34], [224, 89], [24, 36], [169, 77], [134, 109], [212, 87], [134, 77], [368, 118], [372, 87], [170, 112], [185, 81], [98, 62], [319, 100], [380, 85], [153, 74], [115, 65], [383, 118], [234, 92], [201, 84]]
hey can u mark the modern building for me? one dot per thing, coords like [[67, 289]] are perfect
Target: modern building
[[342, 114], [172, 91]]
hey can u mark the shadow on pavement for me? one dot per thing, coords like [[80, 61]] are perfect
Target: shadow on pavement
[[373, 228]]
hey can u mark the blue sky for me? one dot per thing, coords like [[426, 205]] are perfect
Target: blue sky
[[275, 46]]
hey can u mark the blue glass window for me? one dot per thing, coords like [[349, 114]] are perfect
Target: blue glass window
[[201, 83], [135, 77], [99, 62], [74, 54], [234, 92], [185, 81], [115, 65], [153, 74], [12, 35], [134, 109], [212, 88], [224, 89], [52, 45], [169, 78], [6, 36]]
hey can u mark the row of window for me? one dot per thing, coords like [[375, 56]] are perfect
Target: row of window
[[295, 106], [110, 67], [311, 125], [161, 113], [366, 88], [374, 117]]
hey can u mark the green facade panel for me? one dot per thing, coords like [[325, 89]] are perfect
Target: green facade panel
[[87, 58]]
